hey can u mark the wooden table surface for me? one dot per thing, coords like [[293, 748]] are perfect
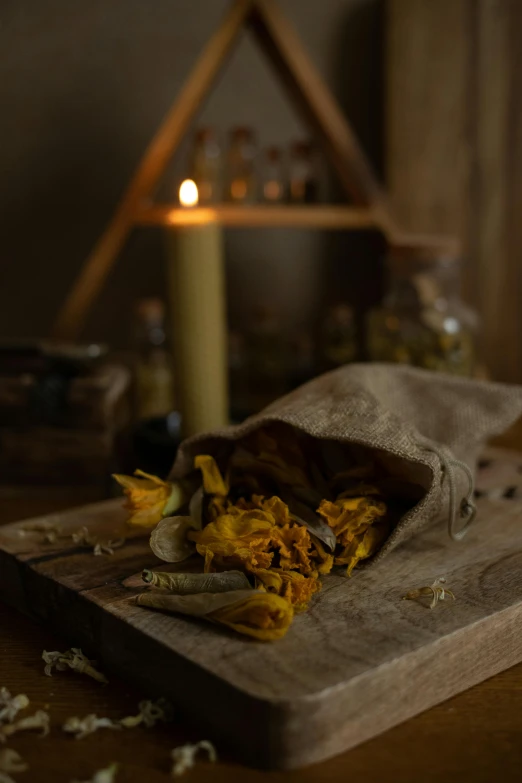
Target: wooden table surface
[[476, 736]]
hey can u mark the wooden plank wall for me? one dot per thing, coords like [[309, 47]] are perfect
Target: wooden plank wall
[[454, 148]]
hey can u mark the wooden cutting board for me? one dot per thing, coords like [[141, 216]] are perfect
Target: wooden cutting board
[[358, 662]]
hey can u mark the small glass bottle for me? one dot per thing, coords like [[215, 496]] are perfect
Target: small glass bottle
[[206, 166], [273, 176], [338, 338], [154, 375], [423, 320], [303, 175], [241, 171]]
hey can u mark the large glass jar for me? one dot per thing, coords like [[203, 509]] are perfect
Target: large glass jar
[[206, 166], [241, 170], [423, 320]]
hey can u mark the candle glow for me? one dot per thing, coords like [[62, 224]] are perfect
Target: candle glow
[[188, 193]]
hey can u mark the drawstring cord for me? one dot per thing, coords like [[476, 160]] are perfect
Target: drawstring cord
[[467, 509]]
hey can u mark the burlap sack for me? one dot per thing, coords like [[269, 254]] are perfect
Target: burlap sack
[[416, 422]]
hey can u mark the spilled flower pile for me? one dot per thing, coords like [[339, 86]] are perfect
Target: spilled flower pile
[[268, 522]]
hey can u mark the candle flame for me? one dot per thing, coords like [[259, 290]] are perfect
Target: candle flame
[[188, 193]]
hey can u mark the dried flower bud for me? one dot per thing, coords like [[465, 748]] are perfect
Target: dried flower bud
[[188, 584], [73, 659]]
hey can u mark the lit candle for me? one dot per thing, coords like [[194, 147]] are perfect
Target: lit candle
[[198, 314]]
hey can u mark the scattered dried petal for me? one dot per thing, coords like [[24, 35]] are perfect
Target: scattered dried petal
[[10, 706], [149, 498], [11, 761], [73, 659], [106, 775], [184, 756], [150, 712], [435, 592], [187, 584], [238, 540], [82, 727], [40, 720]]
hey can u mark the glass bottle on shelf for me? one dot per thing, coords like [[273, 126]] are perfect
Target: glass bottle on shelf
[[273, 176], [154, 377], [423, 321], [206, 166], [304, 186], [338, 337], [241, 170]]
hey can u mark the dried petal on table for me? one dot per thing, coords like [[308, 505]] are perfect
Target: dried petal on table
[[169, 539], [82, 727], [11, 761], [10, 706], [187, 584], [435, 592], [106, 775], [150, 712], [38, 721], [184, 756], [149, 498], [72, 659]]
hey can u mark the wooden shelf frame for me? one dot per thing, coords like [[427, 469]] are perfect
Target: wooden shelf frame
[[310, 94], [330, 216]]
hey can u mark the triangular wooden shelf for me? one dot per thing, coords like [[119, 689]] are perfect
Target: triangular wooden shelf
[[310, 93]]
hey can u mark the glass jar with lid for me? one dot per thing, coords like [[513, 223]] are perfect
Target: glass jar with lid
[[241, 169], [206, 166], [423, 320]]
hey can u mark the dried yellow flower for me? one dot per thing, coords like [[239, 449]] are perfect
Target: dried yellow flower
[[236, 541], [213, 481], [351, 520], [71, 659], [184, 756], [264, 616], [150, 499], [295, 548], [290, 585]]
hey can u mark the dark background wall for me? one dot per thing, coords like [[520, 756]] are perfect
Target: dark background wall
[[83, 86]]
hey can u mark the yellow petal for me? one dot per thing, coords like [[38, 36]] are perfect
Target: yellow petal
[[213, 482], [264, 616]]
